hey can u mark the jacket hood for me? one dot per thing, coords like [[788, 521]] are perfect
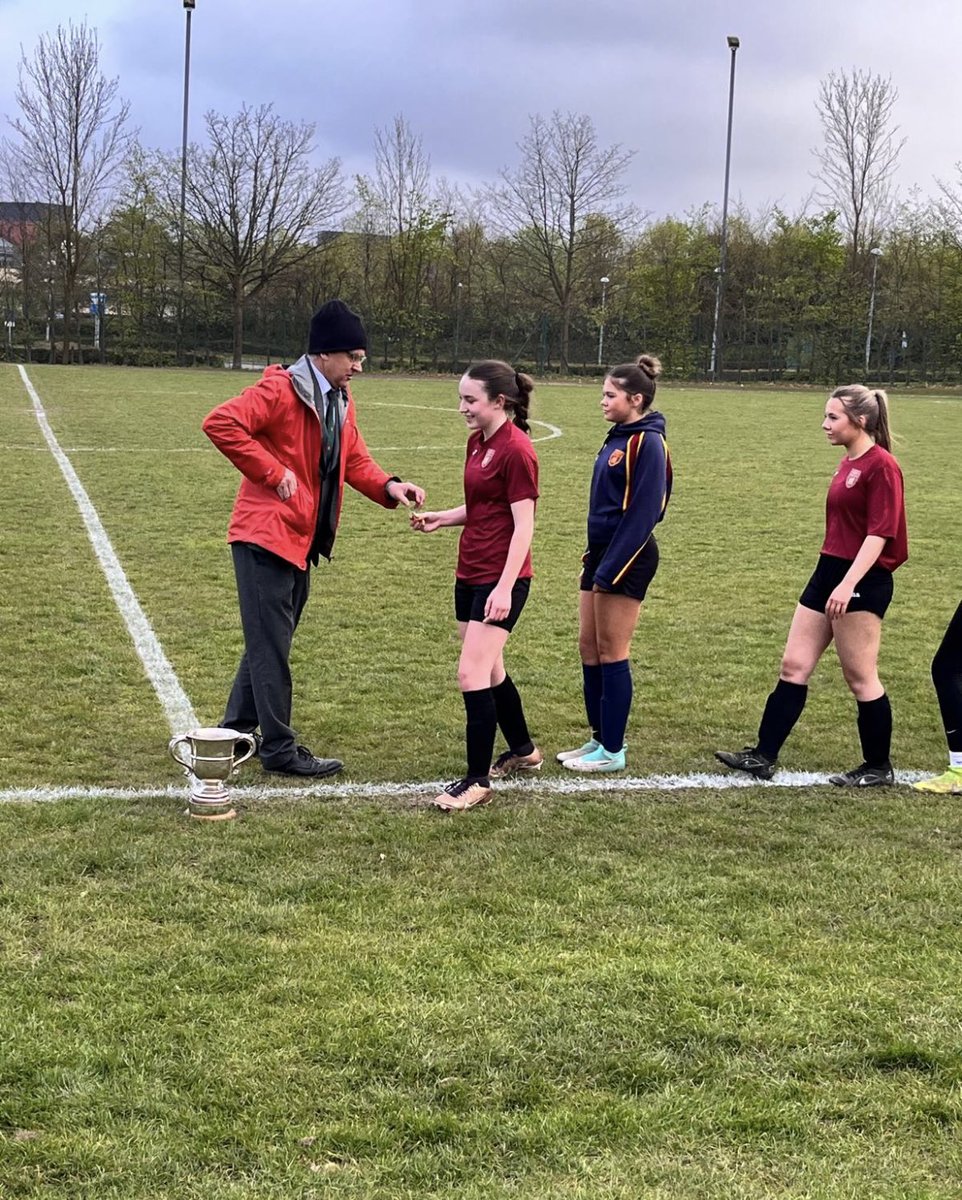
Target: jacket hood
[[301, 378], [652, 422]]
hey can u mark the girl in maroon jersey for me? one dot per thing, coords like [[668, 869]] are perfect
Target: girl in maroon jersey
[[846, 598], [493, 575]]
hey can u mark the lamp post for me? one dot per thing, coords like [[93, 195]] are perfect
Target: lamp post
[[876, 254], [189, 11], [457, 324], [601, 328], [715, 366]]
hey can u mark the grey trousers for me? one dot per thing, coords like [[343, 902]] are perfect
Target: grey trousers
[[272, 594]]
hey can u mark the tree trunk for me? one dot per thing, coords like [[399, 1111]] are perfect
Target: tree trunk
[[238, 326]]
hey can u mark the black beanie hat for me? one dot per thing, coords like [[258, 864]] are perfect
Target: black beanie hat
[[336, 327]]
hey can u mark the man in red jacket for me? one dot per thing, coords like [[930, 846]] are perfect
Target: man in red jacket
[[294, 438]]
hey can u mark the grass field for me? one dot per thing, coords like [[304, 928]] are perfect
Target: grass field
[[702, 992]]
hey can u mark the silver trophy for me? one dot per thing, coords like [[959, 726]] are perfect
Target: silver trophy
[[209, 760]]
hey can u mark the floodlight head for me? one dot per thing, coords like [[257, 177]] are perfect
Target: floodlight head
[[189, 3], [605, 279], [733, 42], [876, 250]]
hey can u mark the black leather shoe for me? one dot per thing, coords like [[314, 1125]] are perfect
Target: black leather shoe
[[306, 765]]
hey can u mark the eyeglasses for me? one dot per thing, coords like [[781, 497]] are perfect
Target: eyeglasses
[[358, 358]]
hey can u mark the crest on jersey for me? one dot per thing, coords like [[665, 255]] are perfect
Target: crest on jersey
[[615, 457], [853, 477], [488, 455]]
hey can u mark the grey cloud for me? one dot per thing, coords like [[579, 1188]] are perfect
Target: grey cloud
[[654, 77]]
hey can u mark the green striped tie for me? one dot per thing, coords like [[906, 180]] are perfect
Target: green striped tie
[[329, 453]]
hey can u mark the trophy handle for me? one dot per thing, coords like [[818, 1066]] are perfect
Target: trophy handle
[[172, 751], [251, 747]]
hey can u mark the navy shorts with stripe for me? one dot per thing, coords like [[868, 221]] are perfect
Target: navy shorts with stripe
[[634, 582]]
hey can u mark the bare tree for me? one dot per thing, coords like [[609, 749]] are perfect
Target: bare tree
[[859, 155], [548, 201], [255, 206], [949, 206], [397, 205], [72, 137], [19, 224]]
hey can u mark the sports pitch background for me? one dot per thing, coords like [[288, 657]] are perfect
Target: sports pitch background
[[621, 992], [374, 660]]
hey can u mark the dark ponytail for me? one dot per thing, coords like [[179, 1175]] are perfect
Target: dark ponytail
[[501, 379]]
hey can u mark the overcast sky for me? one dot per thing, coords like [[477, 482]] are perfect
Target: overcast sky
[[652, 75]]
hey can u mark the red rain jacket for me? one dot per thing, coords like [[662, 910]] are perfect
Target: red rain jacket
[[269, 427]]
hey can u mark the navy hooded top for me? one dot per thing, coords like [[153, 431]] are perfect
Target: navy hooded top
[[630, 488]]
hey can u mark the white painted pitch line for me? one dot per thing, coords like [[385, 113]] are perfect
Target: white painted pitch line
[[178, 709], [698, 781], [154, 450], [553, 432], [415, 449]]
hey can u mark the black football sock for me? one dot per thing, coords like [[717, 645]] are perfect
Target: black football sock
[[507, 704], [947, 677], [782, 710], [482, 722], [875, 730]]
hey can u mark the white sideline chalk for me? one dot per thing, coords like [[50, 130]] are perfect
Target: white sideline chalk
[[696, 782], [177, 708]]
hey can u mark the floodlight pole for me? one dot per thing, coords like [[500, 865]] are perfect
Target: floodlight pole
[[876, 254], [189, 11], [715, 366], [601, 328]]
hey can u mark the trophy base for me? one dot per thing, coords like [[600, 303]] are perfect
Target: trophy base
[[210, 757], [209, 800]]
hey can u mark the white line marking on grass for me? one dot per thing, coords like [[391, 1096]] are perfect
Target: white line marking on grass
[[140, 449], [423, 407], [417, 449], [173, 698], [118, 449], [698, 781], [553, 430]]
